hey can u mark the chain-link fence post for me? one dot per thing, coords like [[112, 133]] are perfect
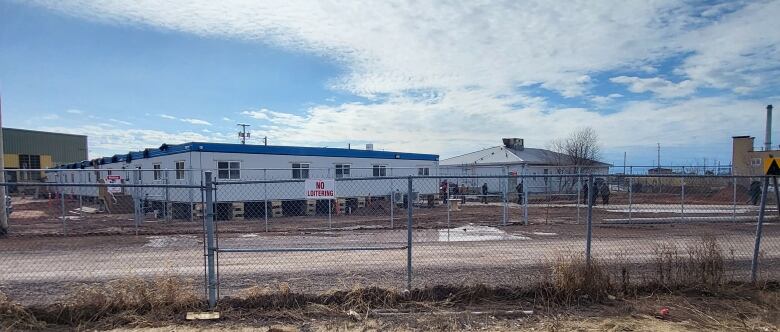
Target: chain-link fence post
[[392, 204], [734, 200], [505, 194], [759, 228], [590, 219], [62, 211], [265, 199], [81, 200], [579, 198], [682, 199], [409, 208], [630, 197], [137, 200], [210, 246], [525, 199], [448, 220], [392, 199], [167, 202]]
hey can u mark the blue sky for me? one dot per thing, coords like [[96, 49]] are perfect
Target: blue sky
[[444, 78]]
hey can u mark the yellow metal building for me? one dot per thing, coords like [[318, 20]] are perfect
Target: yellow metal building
[[31, 149]]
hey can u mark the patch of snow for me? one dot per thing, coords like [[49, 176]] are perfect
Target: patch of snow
[[476, 233]]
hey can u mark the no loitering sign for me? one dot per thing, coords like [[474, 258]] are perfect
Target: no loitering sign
[[320, 189], [114, 179]]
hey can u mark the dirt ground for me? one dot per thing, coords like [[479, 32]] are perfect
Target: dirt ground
[[40, 217], [737, 311], [471, 246]]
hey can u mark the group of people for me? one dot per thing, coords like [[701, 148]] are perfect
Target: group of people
[[444, 192], [600, 188]]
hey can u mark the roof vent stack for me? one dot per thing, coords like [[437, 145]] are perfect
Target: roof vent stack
[[514, 143], [370, 147]]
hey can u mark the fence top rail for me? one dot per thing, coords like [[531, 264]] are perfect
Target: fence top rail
[[368, 178], [54, 184], [585, 175]]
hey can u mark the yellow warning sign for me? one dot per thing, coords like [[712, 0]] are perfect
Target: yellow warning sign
[[772, 166]]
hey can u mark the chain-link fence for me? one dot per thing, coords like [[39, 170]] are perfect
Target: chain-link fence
[[386, 231]]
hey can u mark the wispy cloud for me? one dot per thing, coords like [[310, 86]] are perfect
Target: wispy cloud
[[196, 121], [226, 119], [74, 111], [121, 122], [50, 117], [166, 116], [659, 86]]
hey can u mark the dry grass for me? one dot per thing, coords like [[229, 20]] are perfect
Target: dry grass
[[567, 281], [701, 264], [132, 301], [572, 280], [15, 317]]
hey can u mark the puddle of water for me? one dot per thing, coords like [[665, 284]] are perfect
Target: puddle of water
[[476, 233], [544, 234]]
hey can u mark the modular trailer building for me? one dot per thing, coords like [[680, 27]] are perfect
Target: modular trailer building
[[232, 164]]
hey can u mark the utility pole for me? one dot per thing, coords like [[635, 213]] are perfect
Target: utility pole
[[265, 140], [659, 157], [624, 162], [243, 135]]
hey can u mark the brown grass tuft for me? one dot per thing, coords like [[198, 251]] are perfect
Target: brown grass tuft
[[701, 264], [14, 316], [131, 301], [571, 280]]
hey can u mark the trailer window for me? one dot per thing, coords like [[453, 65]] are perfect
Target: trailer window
[[157, 171], [300, 171], [179, 170], [380, 170], [342, 171], [423, 171], [228, 170]]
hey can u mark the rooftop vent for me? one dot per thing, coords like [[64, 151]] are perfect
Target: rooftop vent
[[513, 143], [370, 147]]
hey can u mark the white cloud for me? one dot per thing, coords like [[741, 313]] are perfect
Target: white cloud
[[605, 100], [659, 86], [741, 52], [196, 121], [74, 111], [444, 77], [166, 116], [392, 47], [404, 124], [121, 122], [226, 119]]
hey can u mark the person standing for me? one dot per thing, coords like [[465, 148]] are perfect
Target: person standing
[[520, 192], [604, 190], [755, 192], [484, 193], [585, 193]]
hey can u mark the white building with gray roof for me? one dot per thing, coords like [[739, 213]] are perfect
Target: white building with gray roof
[[513, 158]]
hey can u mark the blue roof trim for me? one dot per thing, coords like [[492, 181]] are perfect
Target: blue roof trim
[[309, 151], [264, 149]]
